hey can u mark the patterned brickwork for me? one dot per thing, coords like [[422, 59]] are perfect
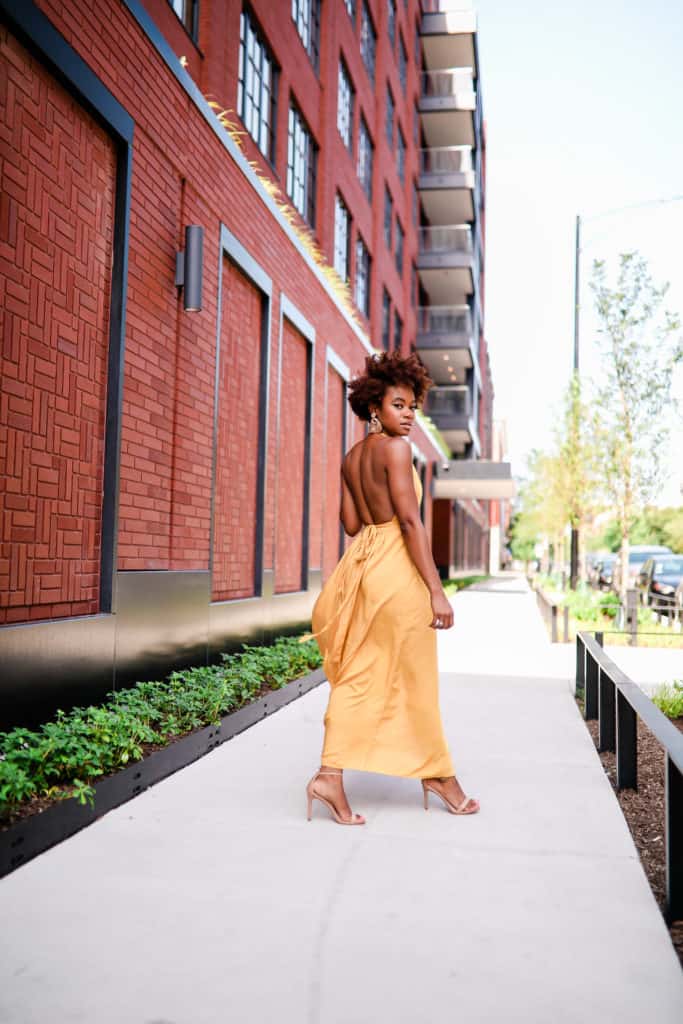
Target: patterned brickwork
[[291, 448], [237, 448], [333, 457], [56, 229], [181, 174]]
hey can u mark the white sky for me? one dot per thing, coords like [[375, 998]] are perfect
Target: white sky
[[582, 103]]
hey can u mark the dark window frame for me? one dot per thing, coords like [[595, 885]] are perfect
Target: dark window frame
[[388, 216], [399, 241], [368, 41], [389, 118], [364, 259], [364, 134], [343, 73], [310, 25], [309, 215], [189, 19], [338, 200], [247, 20], [386, 320]]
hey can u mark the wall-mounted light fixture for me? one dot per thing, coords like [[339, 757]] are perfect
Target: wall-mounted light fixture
[[188, 268]]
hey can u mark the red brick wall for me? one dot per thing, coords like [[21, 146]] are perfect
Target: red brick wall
[[182, 174], [56, 230], [291, 451], [235, 509], [333, 457]]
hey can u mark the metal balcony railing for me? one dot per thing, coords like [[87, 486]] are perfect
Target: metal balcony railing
[[444, 320], [447, 82], [446, 160], [445, 238], [448, 401]]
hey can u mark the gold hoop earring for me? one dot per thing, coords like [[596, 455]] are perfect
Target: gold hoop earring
[[375, 425]]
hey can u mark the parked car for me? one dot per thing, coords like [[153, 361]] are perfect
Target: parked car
[[637, 557], [658, 579], [604, 572], [594, 560]]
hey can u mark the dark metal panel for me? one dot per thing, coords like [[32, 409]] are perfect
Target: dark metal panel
[[39, 35], [57, 664], [161, 624]]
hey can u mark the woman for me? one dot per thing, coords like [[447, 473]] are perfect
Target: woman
[[376, 615]]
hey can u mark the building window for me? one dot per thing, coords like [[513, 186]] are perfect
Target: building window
[[342, 236], [306, 17], [345, 98], [416, 126], [399, 246], [401, 155], [388, 217], [391, 22], [301, 166], [368, 41], [398, 332], [256, 87], [362, 277], [415, 205], [386, 320], [390, 118], [365, 153], [187, 12], [350, 6], [402, 63]]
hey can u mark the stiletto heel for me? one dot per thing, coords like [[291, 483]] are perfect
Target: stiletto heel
[[453, 808], [311, 795]]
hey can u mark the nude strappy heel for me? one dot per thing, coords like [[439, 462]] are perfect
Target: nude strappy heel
[[312, 795], [453, 808]]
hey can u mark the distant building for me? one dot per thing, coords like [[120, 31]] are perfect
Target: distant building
[[170, 475]]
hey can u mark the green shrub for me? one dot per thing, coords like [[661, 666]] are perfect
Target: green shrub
[[64, 757], [669, 698]]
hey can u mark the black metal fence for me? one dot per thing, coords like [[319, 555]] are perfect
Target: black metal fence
[[617, 703], [550, 611]]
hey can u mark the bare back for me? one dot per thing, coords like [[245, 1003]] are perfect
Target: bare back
[[365, 471]]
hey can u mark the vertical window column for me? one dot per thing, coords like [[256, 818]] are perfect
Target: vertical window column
[[301, 166], [256, 87], [363, 263], [342, 235]]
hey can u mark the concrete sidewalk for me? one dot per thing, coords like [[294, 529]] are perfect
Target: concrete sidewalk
[[210, 898]]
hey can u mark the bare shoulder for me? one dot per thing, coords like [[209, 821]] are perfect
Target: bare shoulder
[[397, 453], [351, 457]]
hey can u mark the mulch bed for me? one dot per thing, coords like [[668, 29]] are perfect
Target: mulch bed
[[644, 812]]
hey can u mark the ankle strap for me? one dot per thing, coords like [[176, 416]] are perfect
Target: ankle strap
[[325, 771]]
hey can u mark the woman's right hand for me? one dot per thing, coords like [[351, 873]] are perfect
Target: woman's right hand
[[442, 612]]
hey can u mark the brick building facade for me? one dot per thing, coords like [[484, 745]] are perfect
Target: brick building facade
[[170, 478]]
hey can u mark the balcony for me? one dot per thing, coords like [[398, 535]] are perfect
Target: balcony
[[444, 341], [446, 183], [448, 29], [450, 408], [448, 106], [445, 263]]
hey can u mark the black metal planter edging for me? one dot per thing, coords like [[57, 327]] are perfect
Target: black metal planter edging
[[33, 835], [617, 703]]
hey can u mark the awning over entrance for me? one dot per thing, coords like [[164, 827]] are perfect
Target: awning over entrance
[[473, 478]]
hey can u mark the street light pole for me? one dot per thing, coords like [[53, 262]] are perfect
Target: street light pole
[[574, 540]]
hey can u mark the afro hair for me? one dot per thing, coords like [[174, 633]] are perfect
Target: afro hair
[[382, 372]]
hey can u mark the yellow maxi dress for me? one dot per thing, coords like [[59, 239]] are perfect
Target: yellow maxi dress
[[372, 623]]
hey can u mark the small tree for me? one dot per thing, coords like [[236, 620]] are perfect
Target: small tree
[[640, 346], [577, 460]]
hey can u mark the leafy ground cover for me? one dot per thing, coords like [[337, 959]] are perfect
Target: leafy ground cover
[[453, 586], [597, 610], [64, 757]]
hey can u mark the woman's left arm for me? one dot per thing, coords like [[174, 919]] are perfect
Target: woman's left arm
[[348, 512]]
